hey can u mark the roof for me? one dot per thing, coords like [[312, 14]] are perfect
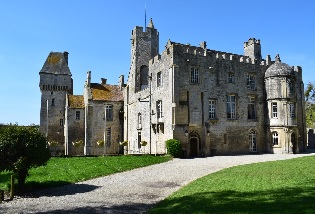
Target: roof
[[279, 69], [76, 101], [56, 63], [106, 92]]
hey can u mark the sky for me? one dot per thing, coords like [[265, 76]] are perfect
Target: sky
[[97, 36]]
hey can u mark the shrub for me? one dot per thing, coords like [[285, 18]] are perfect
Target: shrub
[[174, 147], [22, 148]]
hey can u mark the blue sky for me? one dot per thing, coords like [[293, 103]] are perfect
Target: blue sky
[[97, 36]]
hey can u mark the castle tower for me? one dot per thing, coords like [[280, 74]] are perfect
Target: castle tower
[[145, 45], [55, 83], [284, 102], [252, 49]]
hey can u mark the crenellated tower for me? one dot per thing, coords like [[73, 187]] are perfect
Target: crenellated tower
[[144, 46], [252, 49], [55, 83]]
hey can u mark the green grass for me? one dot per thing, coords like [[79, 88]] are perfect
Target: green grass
[[62, 171], [271, 187]]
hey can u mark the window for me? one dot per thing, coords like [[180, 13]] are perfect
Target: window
[[77, 115], [109, 112], [159, 79], [139, 121], [274, 109], [252, 141], [291, 87], [144, 72], [212, 109], [194, 75], [61, 122], [292, 110], [159, 108], [53, 102], [251, 108], [108, 136], [231, 78], [275, 140], [250, 81], [231, 107]]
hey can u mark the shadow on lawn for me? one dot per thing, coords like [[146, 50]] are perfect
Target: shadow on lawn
[[64, 188], [292, 200]]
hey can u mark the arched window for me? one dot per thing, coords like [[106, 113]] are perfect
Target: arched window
[[275, 139], [144, 72], [252, 141]]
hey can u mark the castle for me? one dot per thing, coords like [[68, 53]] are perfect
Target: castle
[[213, 102]]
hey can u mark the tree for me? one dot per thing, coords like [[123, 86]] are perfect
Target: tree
[[22, 148], [310, 104]]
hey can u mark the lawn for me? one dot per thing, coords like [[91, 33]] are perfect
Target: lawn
[[62, 171], [271, 187]]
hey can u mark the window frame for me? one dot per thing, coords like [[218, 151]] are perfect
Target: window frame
[[212, 109], [231, 77], [275, 139], [159, 109], [109, 112], [250, 81], [292, 113], [77, 115], [108, 136], [231, 105], [194, 75], [251, 101], [274, 110], [159, 79], [252, 140]]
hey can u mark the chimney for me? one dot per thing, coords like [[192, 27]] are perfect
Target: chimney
[[65, 55], [121, 82], [103, 81]]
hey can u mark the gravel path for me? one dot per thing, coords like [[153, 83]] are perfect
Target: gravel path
[[134, 191]]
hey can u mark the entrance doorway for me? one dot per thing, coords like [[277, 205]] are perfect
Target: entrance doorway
[[193, 147]]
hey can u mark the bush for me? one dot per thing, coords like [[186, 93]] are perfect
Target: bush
[[22, 148], [174, 147]]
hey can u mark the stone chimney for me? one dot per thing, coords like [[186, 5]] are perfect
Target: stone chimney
[[103, 81], [121, 82], [65, 55]]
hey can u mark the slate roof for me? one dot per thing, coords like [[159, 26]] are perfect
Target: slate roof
[[76, 101], [56, 63], [106, 92]]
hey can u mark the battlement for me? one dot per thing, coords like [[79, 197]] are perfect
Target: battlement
[[200, 51], [251, 41]]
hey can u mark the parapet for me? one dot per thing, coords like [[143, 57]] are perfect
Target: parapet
[[251, 41]]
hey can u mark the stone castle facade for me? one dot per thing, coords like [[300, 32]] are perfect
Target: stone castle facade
[[213, 102]]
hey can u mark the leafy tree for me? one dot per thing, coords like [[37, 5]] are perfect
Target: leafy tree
[[22, 148], [310, 104]]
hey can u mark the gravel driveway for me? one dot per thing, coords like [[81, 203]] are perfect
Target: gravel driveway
[[134, 191]]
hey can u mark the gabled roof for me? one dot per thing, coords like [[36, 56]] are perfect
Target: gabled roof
[[76, 101], [56, 63], [106, 92]]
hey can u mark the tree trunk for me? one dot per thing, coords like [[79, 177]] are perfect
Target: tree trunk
[[21, 176]]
